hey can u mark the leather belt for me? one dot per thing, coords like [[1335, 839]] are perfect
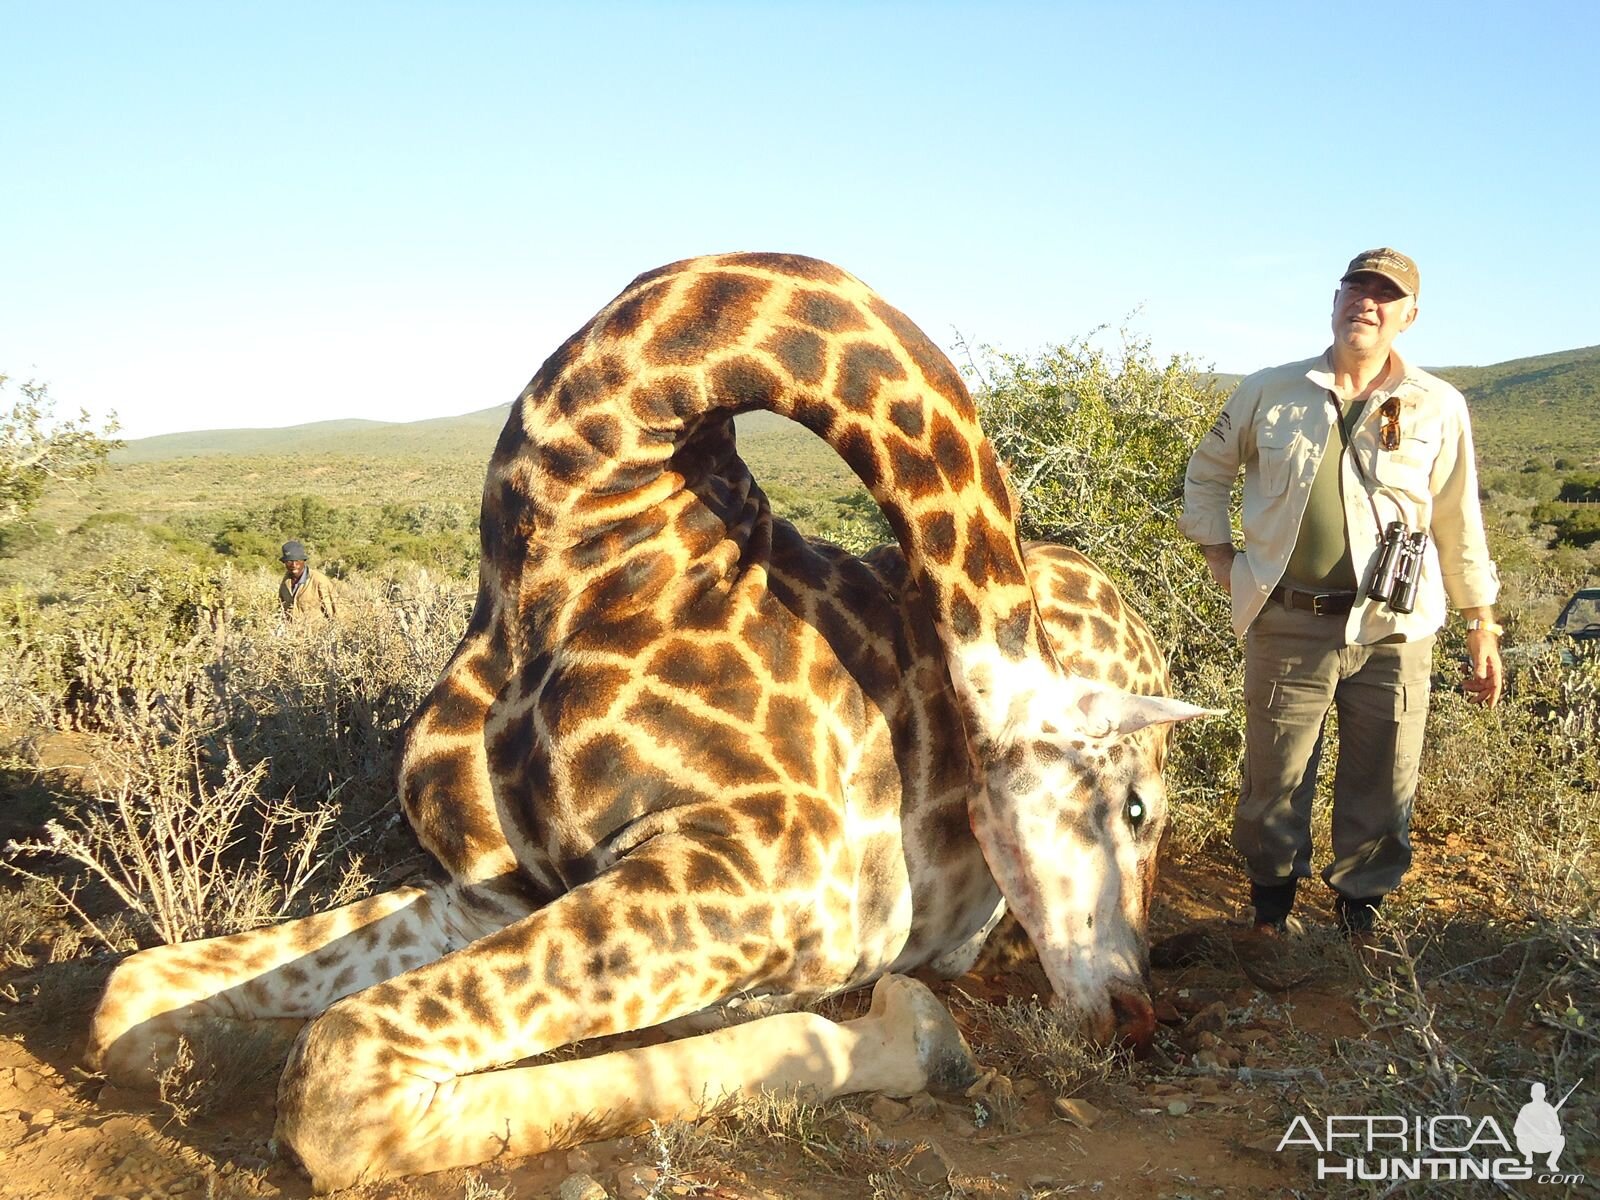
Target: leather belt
[[1322, 604]]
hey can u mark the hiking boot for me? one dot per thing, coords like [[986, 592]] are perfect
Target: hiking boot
[[1356, 917], [1272, 902]]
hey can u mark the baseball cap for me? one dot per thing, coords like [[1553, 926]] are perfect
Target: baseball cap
[[1389, 263]]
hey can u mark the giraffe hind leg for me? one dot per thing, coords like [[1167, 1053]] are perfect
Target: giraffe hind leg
[[291, 971]]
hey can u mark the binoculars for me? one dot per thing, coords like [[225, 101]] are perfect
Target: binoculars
[[1398, 570]]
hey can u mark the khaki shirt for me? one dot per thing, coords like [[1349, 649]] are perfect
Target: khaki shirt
[[1277, 426], [313, 594]]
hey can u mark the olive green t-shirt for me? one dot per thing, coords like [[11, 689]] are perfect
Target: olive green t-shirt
[[1321, 558]]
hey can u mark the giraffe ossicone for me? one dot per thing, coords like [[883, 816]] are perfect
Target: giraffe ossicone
[[685, 760]]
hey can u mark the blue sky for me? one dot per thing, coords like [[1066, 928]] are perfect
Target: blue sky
[[223, 214]]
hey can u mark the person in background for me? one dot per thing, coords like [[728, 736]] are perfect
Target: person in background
[[303, 590], [1341, 454]]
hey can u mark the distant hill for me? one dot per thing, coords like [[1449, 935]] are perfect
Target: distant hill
[[1547, 406], [1542, 407], [473, 431]]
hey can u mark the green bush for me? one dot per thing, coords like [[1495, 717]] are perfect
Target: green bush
[[1096, 442]]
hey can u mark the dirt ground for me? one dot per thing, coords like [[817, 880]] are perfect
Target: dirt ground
[[1203, 1117]]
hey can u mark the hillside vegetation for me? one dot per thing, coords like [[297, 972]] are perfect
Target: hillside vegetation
[[1547, 406]]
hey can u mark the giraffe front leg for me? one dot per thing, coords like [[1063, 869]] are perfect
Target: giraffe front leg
[[401, 1078], [907, 1043], [289, 971]]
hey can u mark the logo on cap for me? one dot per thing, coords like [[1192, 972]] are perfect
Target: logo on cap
[[1389, 263]]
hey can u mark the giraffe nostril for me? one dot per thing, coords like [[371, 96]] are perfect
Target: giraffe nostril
[[1135, 1019]]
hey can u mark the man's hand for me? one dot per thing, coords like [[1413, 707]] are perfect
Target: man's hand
[[1482, 678], [1220, 560]]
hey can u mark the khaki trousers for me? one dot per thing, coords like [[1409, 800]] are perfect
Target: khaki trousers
[[1297, 666]]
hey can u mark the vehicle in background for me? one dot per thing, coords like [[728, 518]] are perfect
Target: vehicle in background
[[1580, 619], [1579, 623]]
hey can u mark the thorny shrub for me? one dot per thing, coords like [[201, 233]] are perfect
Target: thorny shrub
[[252, 766], [189, 857]]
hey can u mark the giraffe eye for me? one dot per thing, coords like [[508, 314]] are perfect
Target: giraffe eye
[[1136, 812]]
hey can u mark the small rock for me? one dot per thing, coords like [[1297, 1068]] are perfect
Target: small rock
[[637, 1182], [1206, 1086], [994, 1100], [928, 1166], [958, 1125], [924, 1105], [866, 1128], [1213, 1018], [1177, 1108], [581, 1187], [1076, 1112], [121, 1099], [1208, 1060], [888, 1111], [45, 1116], [1167, 1013], [580, 1161], [1189, 1001]]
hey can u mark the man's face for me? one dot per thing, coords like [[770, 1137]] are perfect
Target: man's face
[[1369, 311], [294, 567]]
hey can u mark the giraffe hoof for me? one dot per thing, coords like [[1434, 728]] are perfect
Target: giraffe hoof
[[942, 1055]]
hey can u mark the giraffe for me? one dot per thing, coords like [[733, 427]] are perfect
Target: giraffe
[[685, 761]]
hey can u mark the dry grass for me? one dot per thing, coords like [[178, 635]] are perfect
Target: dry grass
[[218, 1064], [1026, 1037]]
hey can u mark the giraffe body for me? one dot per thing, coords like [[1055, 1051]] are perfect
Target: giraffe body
[[685, 759]]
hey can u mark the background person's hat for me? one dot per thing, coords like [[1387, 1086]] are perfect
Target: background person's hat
[[294, 552], [1391, 264]]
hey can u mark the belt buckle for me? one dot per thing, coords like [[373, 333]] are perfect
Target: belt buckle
[[1316, 605]]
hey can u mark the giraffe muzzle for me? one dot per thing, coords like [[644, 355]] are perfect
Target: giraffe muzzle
[[1134, 1020]]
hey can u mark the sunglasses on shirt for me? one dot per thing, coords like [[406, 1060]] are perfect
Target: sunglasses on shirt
[[1389, 431]]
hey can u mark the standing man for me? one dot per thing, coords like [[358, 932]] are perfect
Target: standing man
[[302, 590], [1339, 452]]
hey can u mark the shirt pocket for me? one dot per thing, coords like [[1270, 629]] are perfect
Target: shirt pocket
[[1409, 466], [1275, 447]]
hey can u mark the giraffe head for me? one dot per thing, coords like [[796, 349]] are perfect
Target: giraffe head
[[1069, 807]]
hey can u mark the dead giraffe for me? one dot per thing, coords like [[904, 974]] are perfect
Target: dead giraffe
[[684, 758]]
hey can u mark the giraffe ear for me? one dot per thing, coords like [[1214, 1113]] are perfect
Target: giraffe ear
[[1102, 711]]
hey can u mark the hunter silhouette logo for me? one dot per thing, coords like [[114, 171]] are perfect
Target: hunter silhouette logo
[[1538, 1126], [1446, 1147]]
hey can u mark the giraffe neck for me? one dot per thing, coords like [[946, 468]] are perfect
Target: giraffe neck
[[625, 435]]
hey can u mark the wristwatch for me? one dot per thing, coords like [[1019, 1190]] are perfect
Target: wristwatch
[[1478, 623]]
